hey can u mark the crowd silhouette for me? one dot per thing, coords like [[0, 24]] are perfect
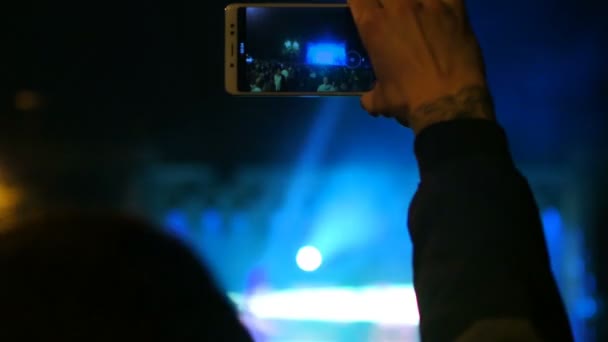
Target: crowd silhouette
[[275, 76]]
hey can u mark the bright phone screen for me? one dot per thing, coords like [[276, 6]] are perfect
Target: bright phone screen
[[299, 49]]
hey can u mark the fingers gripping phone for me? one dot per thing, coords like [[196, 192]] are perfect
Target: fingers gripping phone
[[294, 50]]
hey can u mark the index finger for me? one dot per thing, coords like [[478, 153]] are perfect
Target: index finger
[[457, 5], [361, 9], [367, 18]]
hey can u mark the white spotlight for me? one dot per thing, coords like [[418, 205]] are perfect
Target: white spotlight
[[309, 259]]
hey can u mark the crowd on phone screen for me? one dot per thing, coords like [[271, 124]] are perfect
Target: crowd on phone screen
[[266, 76]]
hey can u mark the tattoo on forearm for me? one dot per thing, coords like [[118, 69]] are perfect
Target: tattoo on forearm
[[469, 103]]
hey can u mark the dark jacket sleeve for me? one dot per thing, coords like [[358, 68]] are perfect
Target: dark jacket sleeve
[[479, 249]]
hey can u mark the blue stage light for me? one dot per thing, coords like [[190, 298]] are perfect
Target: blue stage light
[[326, 54], [176, 222]]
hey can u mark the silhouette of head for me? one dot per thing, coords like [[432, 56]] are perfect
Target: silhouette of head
[[94, 277]]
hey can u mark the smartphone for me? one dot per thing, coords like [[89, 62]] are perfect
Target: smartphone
[[294, 50]]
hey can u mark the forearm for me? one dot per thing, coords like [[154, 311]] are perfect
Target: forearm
[[479, 251], [507, 330]]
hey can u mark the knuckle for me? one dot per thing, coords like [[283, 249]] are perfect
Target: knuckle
[[367, 18]]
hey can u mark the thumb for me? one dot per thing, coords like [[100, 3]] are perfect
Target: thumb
[[372, 101], [375, 104], [458, 5]]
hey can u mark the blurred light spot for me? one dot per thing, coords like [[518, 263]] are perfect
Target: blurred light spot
[[177, 223], [27, 100], [387, 305], [326, 54], [309, 259], [586, 307], [552, 224], [212, 221], [9, 200]]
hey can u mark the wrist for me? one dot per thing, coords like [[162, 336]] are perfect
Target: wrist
[[474, 102]]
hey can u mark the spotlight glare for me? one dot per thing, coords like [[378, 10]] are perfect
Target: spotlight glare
[[309, 259], [393, 305]]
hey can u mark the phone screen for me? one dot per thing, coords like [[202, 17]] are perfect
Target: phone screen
[[301, 49]]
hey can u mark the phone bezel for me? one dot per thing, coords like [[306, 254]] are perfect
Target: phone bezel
[[234, 34]]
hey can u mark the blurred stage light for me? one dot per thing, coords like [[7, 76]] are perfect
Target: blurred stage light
[[326, 54], [9, 200], [385, 305], [27, 100], [288, 44], [212, 220], [309, 259], [176, 221], [295, 45]]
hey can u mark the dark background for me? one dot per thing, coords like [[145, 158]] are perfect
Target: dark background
[[124, 83]]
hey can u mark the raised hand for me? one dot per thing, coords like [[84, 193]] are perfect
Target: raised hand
[[428, 64]]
